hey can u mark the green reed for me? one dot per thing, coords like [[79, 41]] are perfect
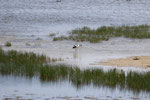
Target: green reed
[[105, 33], [18, 63]]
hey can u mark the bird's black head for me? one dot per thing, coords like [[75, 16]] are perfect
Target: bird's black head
[[75, 46]]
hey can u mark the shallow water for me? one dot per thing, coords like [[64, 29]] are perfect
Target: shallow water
[[23, 21], [30, 17], [19, 87]]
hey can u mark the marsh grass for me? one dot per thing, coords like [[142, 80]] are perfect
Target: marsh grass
[[97, 77], [52, 34], [136, 81], [105, 33], [53, 60], [8, 44], [30, 65], [18, 63]]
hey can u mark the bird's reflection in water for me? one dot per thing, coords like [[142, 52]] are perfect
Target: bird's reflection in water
[[75, 54]]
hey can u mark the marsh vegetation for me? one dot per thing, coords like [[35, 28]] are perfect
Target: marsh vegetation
[[8, 44], [106, 32], [52, 34], [30, 65], [22, 64]]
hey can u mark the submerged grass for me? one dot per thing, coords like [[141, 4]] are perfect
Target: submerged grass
[[30, 64], [105, 33]]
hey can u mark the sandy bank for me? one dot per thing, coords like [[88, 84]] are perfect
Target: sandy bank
[[134, 61]]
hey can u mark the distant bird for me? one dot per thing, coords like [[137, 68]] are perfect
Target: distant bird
[[77, 46]]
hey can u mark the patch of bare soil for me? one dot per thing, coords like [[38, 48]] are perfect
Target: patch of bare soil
[[134, 61]]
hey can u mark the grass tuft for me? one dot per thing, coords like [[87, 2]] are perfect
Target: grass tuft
[[8, 44]]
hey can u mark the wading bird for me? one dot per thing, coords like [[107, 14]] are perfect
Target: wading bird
[[76, 46]]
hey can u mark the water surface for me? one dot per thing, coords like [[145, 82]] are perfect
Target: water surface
[[19, 87], [36, 17]]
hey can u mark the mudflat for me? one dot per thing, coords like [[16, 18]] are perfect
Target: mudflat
[[133, 61]]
